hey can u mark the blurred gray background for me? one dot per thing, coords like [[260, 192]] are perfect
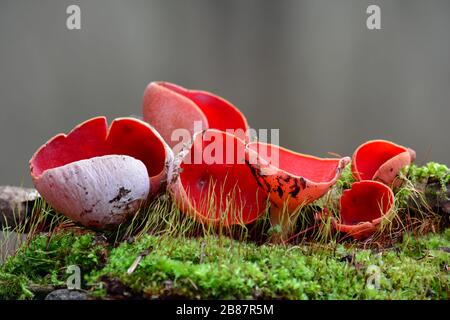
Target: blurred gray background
[[310, 68]]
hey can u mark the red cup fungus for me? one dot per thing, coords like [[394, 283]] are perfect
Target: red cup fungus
[[380, 160], [291, 179], [99, 177], [363, 207], [168, 108], [213, 184]]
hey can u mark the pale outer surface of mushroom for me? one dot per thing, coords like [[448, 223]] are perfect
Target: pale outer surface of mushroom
[[100, 192]]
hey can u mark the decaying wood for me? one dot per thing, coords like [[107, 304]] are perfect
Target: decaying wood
[[438, 198], [15, 204], [9, 243]]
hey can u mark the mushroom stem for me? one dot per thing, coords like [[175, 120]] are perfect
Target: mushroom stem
[[283, 218]]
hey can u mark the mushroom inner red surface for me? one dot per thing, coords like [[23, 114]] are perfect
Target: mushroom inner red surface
[[221, 187], [366, 201], [372, 156], [220, 113], [91, 139], [309, 167]]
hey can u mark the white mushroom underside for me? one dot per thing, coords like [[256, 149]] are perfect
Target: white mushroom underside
[[98, 192]]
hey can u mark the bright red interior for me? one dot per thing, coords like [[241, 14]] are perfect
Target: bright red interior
[[212, 188], [372, 155], [312, 168], [126, 136], [365, 201], [221, 114]]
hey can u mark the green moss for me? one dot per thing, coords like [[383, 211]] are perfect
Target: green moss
[[346, 179], [218, 267], [14, 287], [44, 261], [432, 170], [228, 269]]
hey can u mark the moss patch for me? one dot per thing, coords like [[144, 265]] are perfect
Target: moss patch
[[43, 263], [218, 267]]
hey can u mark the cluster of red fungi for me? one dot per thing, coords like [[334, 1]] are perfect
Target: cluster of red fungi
[[100, 176]]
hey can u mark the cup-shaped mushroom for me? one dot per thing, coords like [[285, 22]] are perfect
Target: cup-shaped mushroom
[[99, 177], [177, 113], [99, 192], [363, 207], [380, 160], [213, 184], [291, 179]]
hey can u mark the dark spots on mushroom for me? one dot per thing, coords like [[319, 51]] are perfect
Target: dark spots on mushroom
[[267, 184], [122, 193], [255, 174], [280, 191], [296, 187], [279, 181], [258, 181], [81, 186], [252, 169], [201, 183], [295, 190], [261, 183], [392, 169], [85, 212], [302, 182]]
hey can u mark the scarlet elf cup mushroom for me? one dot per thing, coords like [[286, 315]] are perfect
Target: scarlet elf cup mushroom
[[363, 207], [380, 160], [100, 177], [170, 108], [213, 184], [291, 179]]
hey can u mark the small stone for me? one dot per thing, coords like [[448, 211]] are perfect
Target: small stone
[[66, 294]]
